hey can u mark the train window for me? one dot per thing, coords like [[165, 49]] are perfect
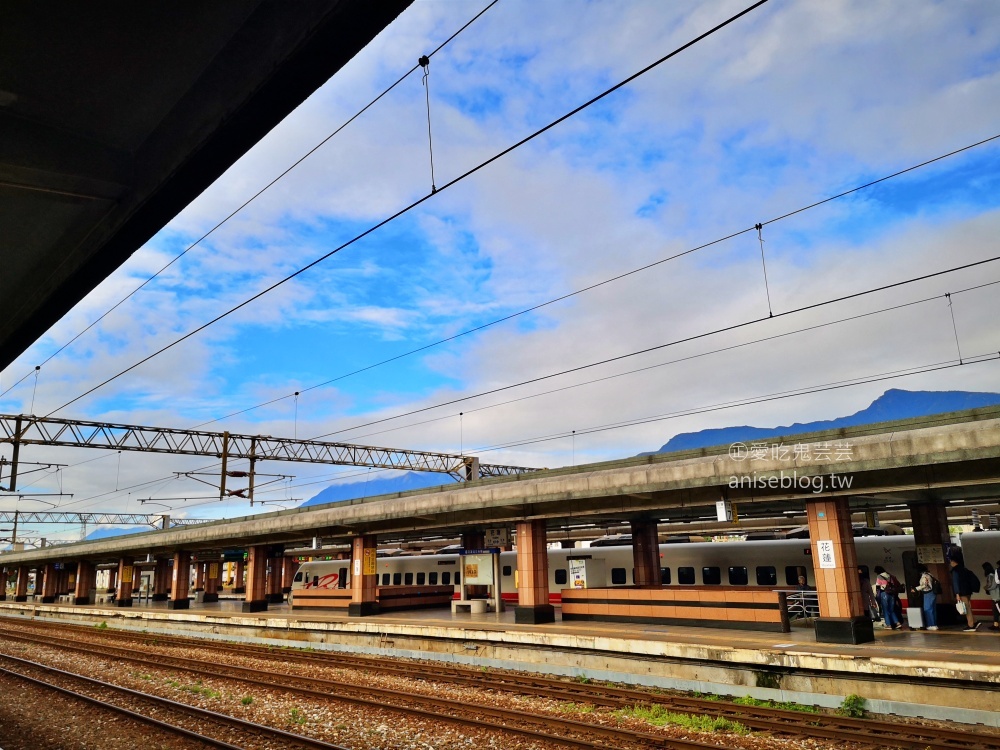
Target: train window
[[458, 578], [432, 578], [397, 579], [343, 578], [618, 576], [408, 579], [685, 576], [633, 576], [385, 579], [664, 576], [767, 575], [506, 571], [792, 573], [421, 578], [298, 577], [561, 577], [711, 576], [738, 576], [446, 578]]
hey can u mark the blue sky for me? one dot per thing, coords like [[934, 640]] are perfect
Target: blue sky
[[793, 103]]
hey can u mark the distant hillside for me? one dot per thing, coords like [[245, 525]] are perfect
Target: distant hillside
[[411, 480], [891, 405]]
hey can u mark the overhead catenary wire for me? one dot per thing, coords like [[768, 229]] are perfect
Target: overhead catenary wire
[[689, 358], [262, 190], [611, 280], [414, 204], [675, 342], [890, 375]]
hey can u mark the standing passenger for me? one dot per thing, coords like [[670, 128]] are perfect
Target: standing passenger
[[887, 599], [962, 583], [993, 589], [928, 600]]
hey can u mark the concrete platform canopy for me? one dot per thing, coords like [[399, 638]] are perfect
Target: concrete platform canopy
[[953, 458], [114, 116]]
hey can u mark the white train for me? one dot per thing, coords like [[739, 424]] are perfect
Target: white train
[[768, 564]]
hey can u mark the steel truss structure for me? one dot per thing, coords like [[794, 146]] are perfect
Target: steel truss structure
[[30, 430]]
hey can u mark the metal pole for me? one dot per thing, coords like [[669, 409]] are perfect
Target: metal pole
[[225, 460], [253, 461], [14, 454]]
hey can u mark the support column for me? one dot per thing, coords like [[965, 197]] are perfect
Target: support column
[[275, 563], [49, 583], [113, 580], [199, 576], [3, 584], [213, 573], [21, 589], [180, 581], [161, 580], [532, 575], [364, 580], [930, 529], [85, 581], [256, 589], [645, 553], [239, 585], [835, 564], [288, 569], [126, 572]]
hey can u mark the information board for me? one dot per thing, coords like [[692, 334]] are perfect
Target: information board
[[477, 570]]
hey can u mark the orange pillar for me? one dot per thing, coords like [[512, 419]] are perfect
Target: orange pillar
[[532, 575], [930, 531], [3, 584], [364, 580], [21, 589], [112, 580], [645, 553], [275, 569], [239, 586], [85, 573], [835, 564], [49, 583], [180, 581], [256, 589], [199, 576], [161, 580], [288, 573], [126, 571], [213, 574]]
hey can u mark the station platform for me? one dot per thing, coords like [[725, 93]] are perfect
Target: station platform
[[948, 674]]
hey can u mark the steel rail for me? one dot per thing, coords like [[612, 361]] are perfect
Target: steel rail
[[759, 717], [200, 713], [341, 691]]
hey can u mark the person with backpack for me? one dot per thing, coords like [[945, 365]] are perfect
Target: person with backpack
[[928, 588], [993, 589], [888, 589], [965, 583]]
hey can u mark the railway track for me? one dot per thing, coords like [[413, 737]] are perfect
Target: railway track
[[175, 717], [551, 730], [761, 718]]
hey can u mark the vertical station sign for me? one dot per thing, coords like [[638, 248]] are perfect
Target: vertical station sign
[[824, 548]]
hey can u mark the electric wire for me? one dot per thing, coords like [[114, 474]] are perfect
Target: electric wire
[[260, 192], [890, 375], [412, 205], [607, 281], [675, 342], [679, 360]]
